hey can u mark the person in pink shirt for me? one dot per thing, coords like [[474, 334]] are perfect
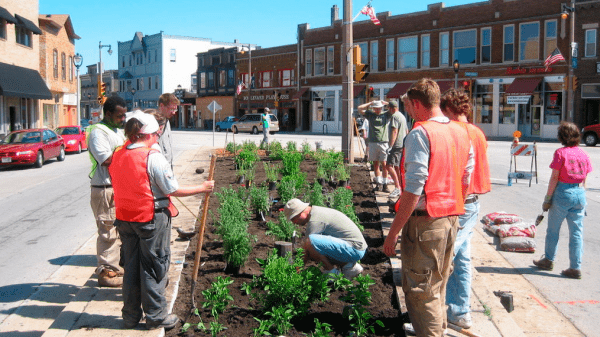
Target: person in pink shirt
[[565, 199]]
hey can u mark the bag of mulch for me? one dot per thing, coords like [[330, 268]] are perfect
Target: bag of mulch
[[491, 227], [501, 218], [524, 229], [518, 244]]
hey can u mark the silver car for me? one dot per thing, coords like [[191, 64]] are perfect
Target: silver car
[[252, 123]]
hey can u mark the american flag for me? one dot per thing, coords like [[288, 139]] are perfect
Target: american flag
[[239, 88], [554, 57], [368, 10]]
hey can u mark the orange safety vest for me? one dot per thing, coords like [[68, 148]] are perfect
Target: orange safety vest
[[134, 201], [448, 157], [480, 179]]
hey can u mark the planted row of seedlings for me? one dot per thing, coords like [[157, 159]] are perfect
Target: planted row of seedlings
[[286, 288]]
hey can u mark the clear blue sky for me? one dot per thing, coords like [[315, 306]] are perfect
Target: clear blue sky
[[266, 23]]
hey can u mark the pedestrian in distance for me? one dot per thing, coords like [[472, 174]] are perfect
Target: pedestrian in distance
[[167, 105], [331, 237], [378, 140], [437, 162], [103, 138], [397, 132], [266, 124], [364, 133], [565, 199], [144, 183], [457, 106]]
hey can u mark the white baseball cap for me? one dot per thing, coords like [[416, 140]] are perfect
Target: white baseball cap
[[377, 104], [149, 123]]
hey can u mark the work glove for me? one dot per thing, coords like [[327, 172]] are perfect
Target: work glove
[[547, 203]]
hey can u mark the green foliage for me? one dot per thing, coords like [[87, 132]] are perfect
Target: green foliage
[[281, 318], [329, 161], [259, 198], [341, 199], [246, 158], [233, 225], [249, 146], [217, 297], [282, 230], [271, 171], [237, 246], [305, 148], [342, 172], [291, 186], [359, 297], [340, 282], [215, 328], [321, 329], [276, 150], [315, 195], [291, 146], [321, 173], [250, 173], [291, 163], [232, 147]]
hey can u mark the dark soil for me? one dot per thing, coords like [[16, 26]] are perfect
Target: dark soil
[[238, 318]]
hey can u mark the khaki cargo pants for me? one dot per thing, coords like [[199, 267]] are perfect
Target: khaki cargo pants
[[108, 245], [427, 251]]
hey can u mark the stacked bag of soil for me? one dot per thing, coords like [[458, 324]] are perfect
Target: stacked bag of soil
[[515, 235]]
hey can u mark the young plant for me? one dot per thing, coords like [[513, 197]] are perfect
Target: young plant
[[315, 195], [341, 199], [291, 146], [249, 146], [232, 147], [282, 230], [281, 317], [271, 171], [321, 174], [341, 172], [217, 297], [259, 198], [250, 173], [359, 297], [246, 158], [305, 148], [321, 329], [291, 163]]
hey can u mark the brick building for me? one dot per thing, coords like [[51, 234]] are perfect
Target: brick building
[[57, 49], [588, 70], [21, 85], [273, 84], [90, 108], [501, 46]]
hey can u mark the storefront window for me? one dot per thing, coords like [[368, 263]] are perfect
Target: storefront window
[[506, 112], [484, 100], [325, 102], [553, 103]]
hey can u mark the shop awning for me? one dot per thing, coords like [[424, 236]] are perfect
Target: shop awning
[[398, 90], [4, 14], [300, 93], [445, 85], [358, 89], [523, 86], [22, 82], [28, 24]]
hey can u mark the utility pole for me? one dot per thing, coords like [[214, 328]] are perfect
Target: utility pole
[[347, 84], [570, 93]]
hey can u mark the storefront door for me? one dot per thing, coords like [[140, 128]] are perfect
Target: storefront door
[[524, 119], [536, 122]]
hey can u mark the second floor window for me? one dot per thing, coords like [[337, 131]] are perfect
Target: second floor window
[[202, 80], [465, 46], [55, 63], [308, 62], [486, 45], [407, 52], [23, 36], [266, 79], [285, 77], [222, 78], [389, 54], [425, 52], [529, 44], [374, 59], [444, 49], [71, 68], [230, 77], [330, 60], [63, 65], [590, 43], [550, 41], [2, 29], [173, 55], [319, 61], [509, 43]]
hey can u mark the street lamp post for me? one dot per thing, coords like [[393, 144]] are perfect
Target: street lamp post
[[249, 74], [179, 92], [100, 46], [570, 11], [132, 98], [78, 61], [456, 66]]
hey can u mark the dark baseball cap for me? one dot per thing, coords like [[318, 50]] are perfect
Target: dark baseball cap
[[394, 104]]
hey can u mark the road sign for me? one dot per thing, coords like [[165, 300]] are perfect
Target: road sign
[[214, 107], [574, 62], [517, 99], [471, 74]]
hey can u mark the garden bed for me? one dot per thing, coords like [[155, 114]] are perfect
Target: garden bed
[[239, 317]]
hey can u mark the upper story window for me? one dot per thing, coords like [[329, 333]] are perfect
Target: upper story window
[[590, 43], [156, 82], [425, 51], [319, 61], [173, 55], [364, 52], [2, 29], [286, 77], [389, 54], [63, 66], [330, 59], [222, 78], [266, 78], [55, 63], [211, 80], [149, 83], [71, 68], [509, 44], [550, 37], [123, 61], [529, 41], [444, 49], [130, 60], [407, 52], [374, 59], [23, 35], [465, 46], [308, 62], [486, 45], [230, 77], [203, 80]]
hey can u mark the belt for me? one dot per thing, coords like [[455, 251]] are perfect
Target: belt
[[101, 186], [161, 210], [472, 199], [419, 212]]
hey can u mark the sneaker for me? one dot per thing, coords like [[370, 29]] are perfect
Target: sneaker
[[395, 193], [463, 321], [351, 270], [544, 264], [571, 273], [168, 323], [385, 189], [109, 278], [389, 181], [408, 328]]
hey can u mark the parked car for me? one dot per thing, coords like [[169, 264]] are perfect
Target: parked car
[[590, 134], [32, 146], [226, 123], [252, 123], [74, 137]]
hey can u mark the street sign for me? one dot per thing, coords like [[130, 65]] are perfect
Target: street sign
[[214, 107], [518, 99], [574, 62], [471, 73]]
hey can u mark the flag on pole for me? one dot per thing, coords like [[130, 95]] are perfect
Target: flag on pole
[[368, 10], [554, 57], [239, 88]]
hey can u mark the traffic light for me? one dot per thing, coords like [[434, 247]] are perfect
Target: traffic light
[[467, 86], [101, 100], [566, 82], [575, 83], [356, 55], [102, 89], [361, 71]]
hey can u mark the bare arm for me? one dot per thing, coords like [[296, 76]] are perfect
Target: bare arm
[[393, 137], [185, 191], [553, 182], [408, 202], [363, 107]]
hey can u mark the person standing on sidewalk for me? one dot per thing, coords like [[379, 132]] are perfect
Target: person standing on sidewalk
[[566, 199], [167, 105], [398, 131], [437, 166], [378, 139], [266, 123], [103, 139], [144, 183], [456, 105]]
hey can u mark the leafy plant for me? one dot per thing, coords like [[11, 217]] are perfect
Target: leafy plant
[[359, 297], [341, 199], [340, 282], [321, 174], [215, 328], [315, 195], [291, 186], [321, 329], [276, 150], [233, 225], [217, 297], [291, 163], [250, 173], [271, 171], [282, 230], [246, 158], [341, 172], [249, 146], [259, 198], [237, 246], [305, 148], [281, 317], [232, 147], [291, 146]]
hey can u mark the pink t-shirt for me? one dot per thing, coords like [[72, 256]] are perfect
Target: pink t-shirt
[[572, 163]]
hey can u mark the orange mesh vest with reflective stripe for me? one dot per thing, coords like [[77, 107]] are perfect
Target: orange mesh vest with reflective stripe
[[134, 201], [480, 179]]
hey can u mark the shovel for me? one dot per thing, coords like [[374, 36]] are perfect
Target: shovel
[[539, 219]]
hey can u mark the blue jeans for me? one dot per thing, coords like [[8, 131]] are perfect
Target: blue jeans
[[568, 201], [458, 290]]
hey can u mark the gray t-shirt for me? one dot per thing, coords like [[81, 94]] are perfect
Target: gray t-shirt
[[328, 221], [166, 144], [102, 143], [378, 126], [398, 121]]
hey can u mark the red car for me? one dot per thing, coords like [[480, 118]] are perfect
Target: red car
[[33, 146], [590, 134], [74, 137]]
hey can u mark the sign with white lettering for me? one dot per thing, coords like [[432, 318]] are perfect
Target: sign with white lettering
[[471, 74], [518, 99]]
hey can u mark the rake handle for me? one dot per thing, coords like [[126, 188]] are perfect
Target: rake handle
[[203, 222]]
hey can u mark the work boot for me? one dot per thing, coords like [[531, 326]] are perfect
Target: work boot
[[571, 273], [385, 188], [463, 321], [168, 323], [110, 278], [544, 264]]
